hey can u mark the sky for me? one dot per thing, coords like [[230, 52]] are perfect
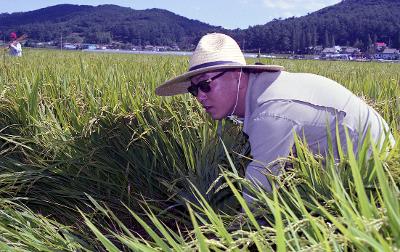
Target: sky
[[229, 14]]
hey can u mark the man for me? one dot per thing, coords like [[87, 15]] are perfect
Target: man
[[274, 105], [15, 46]]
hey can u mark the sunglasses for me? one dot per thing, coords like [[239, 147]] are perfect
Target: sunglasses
[[203, 85]]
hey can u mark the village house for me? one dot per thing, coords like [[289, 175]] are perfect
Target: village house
[[89, 46], [341, 53], [329, 51], [388, 54], [351, 51], [380, 46], [149, 48], [335, 53], [69, 46], [314, 49]]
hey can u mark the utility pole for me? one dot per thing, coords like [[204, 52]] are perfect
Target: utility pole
[[61, 46]]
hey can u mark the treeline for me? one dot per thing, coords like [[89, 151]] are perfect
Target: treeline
[[105, 24], [352, 22]]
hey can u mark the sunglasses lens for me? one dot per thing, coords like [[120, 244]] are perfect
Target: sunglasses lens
[[204, 86]]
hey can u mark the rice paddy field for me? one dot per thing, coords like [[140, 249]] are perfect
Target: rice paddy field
[[92, 160]]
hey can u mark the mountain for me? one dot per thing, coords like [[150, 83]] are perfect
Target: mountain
[[357, 23], [106, 23]]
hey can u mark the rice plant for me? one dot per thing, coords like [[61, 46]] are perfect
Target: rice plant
[[93, 160]]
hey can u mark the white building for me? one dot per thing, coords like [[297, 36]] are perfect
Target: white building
[[388, 54]]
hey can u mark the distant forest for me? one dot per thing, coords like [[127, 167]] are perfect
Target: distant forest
[[358, 23], [351, 22]]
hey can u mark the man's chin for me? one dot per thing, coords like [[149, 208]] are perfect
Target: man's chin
[[216, 117]]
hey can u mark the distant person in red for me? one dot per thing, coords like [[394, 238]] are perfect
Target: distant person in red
[[15, 46]]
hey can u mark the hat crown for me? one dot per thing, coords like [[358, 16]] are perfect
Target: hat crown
[[214, 49], [13, 35]]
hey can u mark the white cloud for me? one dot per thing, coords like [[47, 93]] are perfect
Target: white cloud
[[278, 4], [286, 14], [297, 6]]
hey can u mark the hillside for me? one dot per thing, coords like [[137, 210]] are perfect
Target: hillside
[[106, 23], [350, 22]]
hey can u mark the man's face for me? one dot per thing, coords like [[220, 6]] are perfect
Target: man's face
[[220, 100]]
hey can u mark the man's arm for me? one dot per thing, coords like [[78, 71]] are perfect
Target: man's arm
[[271, 137], [16, 47]]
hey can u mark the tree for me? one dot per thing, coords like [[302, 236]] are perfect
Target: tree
[[309, 39], [358, 44], [398, 40], [295, 40], [315, 37], [103, 37], [73, 38], [327, 41], [370, 45]]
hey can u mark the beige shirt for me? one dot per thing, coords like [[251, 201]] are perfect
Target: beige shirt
[[281, 104]]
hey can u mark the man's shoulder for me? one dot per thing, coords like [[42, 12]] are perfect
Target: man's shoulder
[[290, 77], [288, 85]]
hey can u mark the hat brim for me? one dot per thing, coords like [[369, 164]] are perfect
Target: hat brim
[[179, 84]]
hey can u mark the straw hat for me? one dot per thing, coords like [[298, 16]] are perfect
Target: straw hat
[[213, 52]]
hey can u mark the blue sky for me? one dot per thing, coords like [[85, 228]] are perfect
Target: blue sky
[[226, 13]]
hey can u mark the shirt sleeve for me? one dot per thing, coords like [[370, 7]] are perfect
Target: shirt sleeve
[[271, 137]]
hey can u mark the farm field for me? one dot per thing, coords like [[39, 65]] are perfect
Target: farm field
[[92, 160]]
